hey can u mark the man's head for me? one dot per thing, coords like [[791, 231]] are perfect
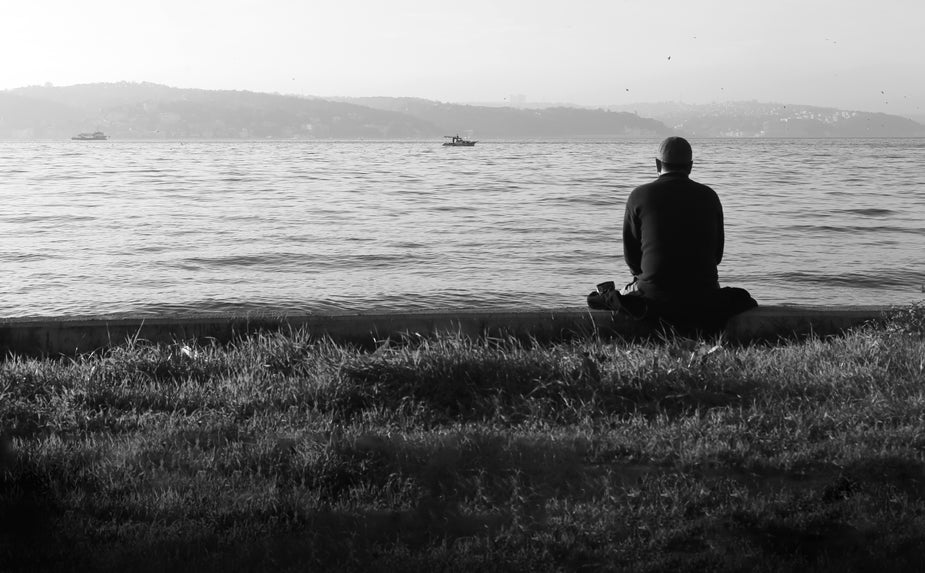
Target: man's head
[[674, 154]]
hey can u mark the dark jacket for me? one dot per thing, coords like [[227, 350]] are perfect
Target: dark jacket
[[673, 237]]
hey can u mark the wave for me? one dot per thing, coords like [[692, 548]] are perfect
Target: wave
[[853, 229], [881, 279], [354, 225], [872, 212]]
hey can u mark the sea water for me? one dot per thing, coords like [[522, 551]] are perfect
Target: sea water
[[169, 227]]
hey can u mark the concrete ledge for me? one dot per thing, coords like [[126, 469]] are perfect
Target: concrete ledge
[[70, 336]]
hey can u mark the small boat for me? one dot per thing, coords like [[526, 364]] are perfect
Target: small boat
[[456, 141], [95, 136]]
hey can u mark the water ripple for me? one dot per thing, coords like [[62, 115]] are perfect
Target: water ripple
[[164, 227]]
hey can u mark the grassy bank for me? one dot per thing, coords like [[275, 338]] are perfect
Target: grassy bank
[[278, 453]]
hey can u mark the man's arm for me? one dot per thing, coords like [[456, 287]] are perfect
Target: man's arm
[[632, 241], [720, 233]]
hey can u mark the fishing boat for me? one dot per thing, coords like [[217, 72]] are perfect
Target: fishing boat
[[456, 141], [95, 136]]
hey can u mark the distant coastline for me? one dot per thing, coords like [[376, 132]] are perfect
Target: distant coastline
[[151, 111]]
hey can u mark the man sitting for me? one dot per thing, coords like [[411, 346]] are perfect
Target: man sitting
[[673, 240]]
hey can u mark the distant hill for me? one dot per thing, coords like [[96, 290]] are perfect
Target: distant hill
[[22, 117], [507, 122], [151, 111], [145, 110], [756, 119]]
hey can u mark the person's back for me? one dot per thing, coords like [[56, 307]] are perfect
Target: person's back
[[673, 229], [673, 236]]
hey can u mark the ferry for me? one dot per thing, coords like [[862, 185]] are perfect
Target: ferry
[[95, 136], [456, 141]]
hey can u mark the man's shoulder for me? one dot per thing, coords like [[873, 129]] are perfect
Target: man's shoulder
[[642, 188], [703, 186], [693, 184], [668, 182], [670, 185]]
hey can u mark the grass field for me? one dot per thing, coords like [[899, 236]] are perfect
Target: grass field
[[279, 453]]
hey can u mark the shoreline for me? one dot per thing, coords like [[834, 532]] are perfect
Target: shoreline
[[46, 336]]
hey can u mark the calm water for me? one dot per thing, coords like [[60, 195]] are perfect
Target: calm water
[[94, 228]]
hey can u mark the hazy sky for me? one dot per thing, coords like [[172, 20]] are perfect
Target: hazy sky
[[853, 54]]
